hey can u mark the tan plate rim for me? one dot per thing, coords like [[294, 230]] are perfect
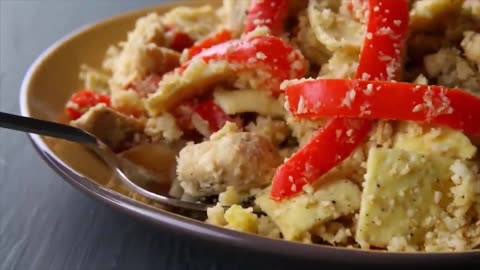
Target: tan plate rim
[[185, 225]]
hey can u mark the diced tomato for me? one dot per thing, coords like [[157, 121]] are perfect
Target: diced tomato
[[81, 101]]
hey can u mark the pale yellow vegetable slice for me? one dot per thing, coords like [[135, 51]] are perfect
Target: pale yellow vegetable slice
[[248, 100], [332, 29], [447, 142], [296, 216], [409, 195]]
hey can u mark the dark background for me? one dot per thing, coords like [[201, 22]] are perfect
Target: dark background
[[44, 222]]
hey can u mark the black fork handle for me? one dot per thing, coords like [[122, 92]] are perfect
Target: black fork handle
[[46, 128]]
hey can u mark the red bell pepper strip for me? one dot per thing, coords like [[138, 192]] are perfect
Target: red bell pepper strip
[[210, 41], [268, 57], [83, 100], [261, 53], [380, 59], [316, 157], [433, 104], [213, 114], [205, 109], [381, 56], [177, 40], [268, 13]]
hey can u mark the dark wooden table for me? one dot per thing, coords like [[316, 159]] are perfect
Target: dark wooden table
[[44, 222]]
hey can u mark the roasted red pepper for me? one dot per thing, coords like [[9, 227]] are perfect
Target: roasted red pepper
[[271, 14], [450, 107], [206, 109], [177, 40], [210, 41], [315, 158], [213, 114], [380, 59], [81, 101], [268, 54]]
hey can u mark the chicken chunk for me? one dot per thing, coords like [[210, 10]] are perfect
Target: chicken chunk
[[111, 127], [240, 159]]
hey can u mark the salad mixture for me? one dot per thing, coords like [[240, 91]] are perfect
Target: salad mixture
[[352, 123]]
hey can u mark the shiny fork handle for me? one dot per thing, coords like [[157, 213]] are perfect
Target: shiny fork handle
[[66, 132], [46, 128]]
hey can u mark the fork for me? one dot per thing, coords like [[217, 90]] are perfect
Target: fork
[[70, 133]]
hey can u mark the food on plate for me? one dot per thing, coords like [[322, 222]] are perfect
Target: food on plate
[[351, 123]]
